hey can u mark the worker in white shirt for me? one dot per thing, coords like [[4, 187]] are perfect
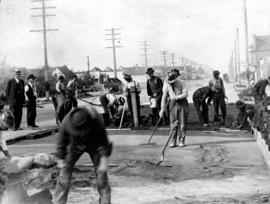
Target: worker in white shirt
[[108, 101], [177, 92]]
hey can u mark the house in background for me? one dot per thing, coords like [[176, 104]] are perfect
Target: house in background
[[63, 71]]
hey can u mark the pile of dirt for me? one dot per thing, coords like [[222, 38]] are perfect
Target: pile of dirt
[[209, 164], [145, 169]]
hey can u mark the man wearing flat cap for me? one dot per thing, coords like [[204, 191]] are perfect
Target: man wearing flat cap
[[217, 86], [82, 131], [30, 100], [177, 93], [154, 90], [16, 98]]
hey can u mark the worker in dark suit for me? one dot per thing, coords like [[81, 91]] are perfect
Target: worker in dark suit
[[154, 90], [31, 104], [16, 98], [199, 99], [217, 86]]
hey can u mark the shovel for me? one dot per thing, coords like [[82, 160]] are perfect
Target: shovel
[[174, 127], [155, 128]]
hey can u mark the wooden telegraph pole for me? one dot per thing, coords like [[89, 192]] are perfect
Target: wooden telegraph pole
[[44, 30], [246, 39], [113, 47]]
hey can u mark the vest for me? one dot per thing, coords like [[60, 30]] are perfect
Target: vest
[[30, 93]]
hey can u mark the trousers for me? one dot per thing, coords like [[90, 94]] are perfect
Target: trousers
[[64, 180], [179, 111], [219, 101], [31, 112], [201, 108]]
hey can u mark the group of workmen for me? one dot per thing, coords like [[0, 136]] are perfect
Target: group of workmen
[[82, 129], [168, 101]]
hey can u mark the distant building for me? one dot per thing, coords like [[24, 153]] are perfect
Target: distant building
[[64, 71], [260, 52]]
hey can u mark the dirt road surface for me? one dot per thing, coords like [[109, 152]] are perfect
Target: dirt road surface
[[214, 167]]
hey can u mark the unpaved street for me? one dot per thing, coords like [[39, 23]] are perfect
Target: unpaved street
[[214, 167]]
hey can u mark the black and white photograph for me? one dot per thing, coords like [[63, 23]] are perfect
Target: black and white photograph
[[134, 101]]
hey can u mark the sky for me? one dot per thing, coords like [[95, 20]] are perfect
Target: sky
[[201, 30]]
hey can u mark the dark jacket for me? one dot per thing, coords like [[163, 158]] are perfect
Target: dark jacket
[[202, 94], [93, 139], [154, 86], [14, 96], [259, 90]]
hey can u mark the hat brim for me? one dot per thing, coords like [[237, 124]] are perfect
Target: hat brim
[[150, 72], [171, 81]]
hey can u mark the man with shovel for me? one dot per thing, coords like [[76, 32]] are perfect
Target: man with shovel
[[178, 105]]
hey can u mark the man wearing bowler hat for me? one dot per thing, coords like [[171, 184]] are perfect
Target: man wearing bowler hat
[[82, 131], [30, 100], [16, 98], [154, 90], [217, 86]]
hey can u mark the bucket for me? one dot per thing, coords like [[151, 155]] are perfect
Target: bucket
[[153, 103]]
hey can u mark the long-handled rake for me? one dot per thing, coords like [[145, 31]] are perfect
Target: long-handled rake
[[174, 128]]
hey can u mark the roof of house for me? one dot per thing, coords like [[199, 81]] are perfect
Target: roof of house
[[96, 69], [66, 71], [108, 69], [261, 43]]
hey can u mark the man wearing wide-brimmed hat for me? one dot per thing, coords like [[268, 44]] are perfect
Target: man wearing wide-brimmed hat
[[128, 87], [31, 104], [217, 86], [82, 131], [154, 91], [16, 98], [177, 92]]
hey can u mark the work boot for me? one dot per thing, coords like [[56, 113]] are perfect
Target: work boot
[[182, 138]]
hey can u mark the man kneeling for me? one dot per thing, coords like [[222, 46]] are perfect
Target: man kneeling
[[82, 131]]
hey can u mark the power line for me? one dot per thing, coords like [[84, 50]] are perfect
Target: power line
[[44, 30], [145, 49], [113, 38]]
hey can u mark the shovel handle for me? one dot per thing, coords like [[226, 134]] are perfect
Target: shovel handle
[[155, 128], [166, 145]]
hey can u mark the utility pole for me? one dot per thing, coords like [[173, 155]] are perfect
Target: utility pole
[[235, 62], [113, 34], [44, 30], [173, 59], [145, 50], [88, 65], [246, 39], [238, 55], [164, 54]]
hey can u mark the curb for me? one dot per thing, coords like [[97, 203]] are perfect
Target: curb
[[34, 135], [263, 147]]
